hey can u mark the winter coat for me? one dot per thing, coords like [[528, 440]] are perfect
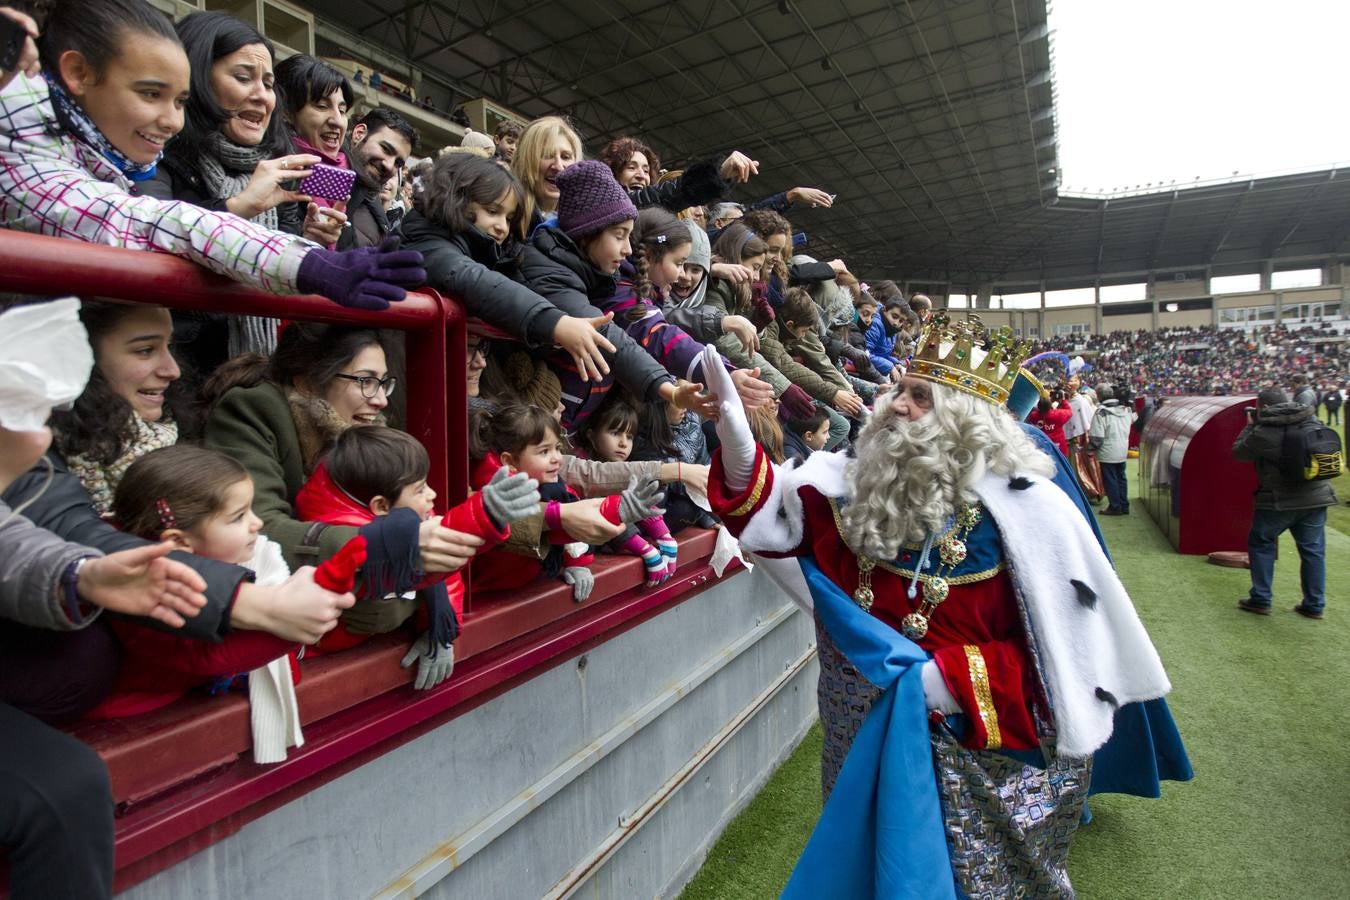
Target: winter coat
[[838, 349], [881, 345], [1110, 432], [511, 565], [802, 374], [484, 276], [794, 448], [701, 183], [552, 265], [367, 222], [30, 582], [158, 668], [667, 343], [1052, 423], [321, 500], [66, 510], [1260, 443], [722, 298], [256, 426], [1306, 396], [52, 183]]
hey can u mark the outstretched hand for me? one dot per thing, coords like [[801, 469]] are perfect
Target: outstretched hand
[[733, 428], [640, 501], [143, 582], [509, 498]]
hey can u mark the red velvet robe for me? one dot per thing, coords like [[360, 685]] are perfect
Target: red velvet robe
[[975, 636]]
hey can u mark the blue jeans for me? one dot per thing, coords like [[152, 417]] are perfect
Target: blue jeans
[[1308, 527], [1117, 486]]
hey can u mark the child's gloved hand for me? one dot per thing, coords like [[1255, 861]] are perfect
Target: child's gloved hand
[[582, 581], [640, 501], [434, 664], [509, 498]]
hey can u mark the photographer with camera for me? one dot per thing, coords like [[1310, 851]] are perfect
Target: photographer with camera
[[1289, 497]]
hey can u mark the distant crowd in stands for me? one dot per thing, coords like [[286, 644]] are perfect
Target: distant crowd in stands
[[1207, 360], [244, 481]]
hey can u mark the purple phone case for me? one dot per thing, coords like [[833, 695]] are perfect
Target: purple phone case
[[329, 182]]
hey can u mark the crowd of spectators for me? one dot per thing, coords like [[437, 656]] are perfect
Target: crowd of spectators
[[233, 490], [1208, 360]]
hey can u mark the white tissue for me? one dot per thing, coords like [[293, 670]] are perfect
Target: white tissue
[[45, 360]]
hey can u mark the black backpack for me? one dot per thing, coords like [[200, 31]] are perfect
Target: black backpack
[[1310, 451]]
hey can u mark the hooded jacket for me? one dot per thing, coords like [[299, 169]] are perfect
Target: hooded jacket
[[881, 344], [1260, 443], [484, 276], [553, 266], [1110, 432]]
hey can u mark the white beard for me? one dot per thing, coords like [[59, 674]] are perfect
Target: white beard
[[909, 477], [902, 485]]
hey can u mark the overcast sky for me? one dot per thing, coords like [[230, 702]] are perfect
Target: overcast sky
[[1162, 90]]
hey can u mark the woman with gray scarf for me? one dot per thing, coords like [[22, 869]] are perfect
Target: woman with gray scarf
[[234, 155]]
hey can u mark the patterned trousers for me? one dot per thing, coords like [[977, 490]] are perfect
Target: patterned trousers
[[1008, 824]]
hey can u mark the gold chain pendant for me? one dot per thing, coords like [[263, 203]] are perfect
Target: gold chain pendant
[[935, 589], [915, 626], [863, 595]]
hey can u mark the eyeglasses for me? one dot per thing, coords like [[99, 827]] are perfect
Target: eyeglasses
[[481, 349], [369, 384]]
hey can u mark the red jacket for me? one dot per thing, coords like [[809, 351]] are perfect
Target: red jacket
[[1052, 423], [321, 500], [505, 569]]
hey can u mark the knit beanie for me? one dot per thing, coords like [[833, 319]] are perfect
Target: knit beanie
[[700, 253], [590, 200], [477, 139], [533, 381]]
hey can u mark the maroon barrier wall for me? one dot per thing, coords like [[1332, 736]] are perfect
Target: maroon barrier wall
[[1198, 494]]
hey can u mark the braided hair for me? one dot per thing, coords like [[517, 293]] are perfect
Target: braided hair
[[657, 234]]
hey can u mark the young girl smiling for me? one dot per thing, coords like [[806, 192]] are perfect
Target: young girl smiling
[[75, 139]]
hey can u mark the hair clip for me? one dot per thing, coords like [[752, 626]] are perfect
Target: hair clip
[[660, 238], [166, 519]]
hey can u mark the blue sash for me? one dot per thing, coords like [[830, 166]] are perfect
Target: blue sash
[[881, 832]]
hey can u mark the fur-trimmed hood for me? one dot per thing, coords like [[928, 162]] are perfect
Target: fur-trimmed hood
[[317, 425]]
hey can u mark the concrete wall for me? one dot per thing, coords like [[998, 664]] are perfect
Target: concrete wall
[[506, 800], [1181, 318], [1132, 322]]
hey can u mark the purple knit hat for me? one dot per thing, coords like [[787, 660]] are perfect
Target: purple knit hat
[[590, 200]]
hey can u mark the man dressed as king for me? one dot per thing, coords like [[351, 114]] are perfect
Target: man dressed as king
[[975, 642]]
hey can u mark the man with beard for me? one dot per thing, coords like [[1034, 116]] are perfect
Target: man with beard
[[974, 641], [381, 143]]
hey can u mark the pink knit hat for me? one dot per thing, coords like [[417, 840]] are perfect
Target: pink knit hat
[[590, 200]]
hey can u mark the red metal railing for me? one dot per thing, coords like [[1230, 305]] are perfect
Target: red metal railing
[[181, 776]]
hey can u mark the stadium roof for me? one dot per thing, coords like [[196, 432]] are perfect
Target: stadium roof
[[933, 121]]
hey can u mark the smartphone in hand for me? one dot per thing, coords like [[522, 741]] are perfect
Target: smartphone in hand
[[329, 182]]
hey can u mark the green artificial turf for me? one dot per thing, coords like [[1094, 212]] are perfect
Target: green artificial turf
[[1262, 706]]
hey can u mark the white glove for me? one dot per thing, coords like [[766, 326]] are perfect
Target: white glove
[[431, 671], [733, 430], [935, 692], [582, 581]]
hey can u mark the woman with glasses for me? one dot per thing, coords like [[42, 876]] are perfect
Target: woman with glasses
[[276, 416]]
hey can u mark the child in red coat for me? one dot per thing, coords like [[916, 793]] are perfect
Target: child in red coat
[[201, 500], [527, 439], [373, 471]]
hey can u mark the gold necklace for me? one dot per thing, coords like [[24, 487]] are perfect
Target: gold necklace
[[951, 553]]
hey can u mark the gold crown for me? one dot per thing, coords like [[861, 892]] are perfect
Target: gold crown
[[967, 356]]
